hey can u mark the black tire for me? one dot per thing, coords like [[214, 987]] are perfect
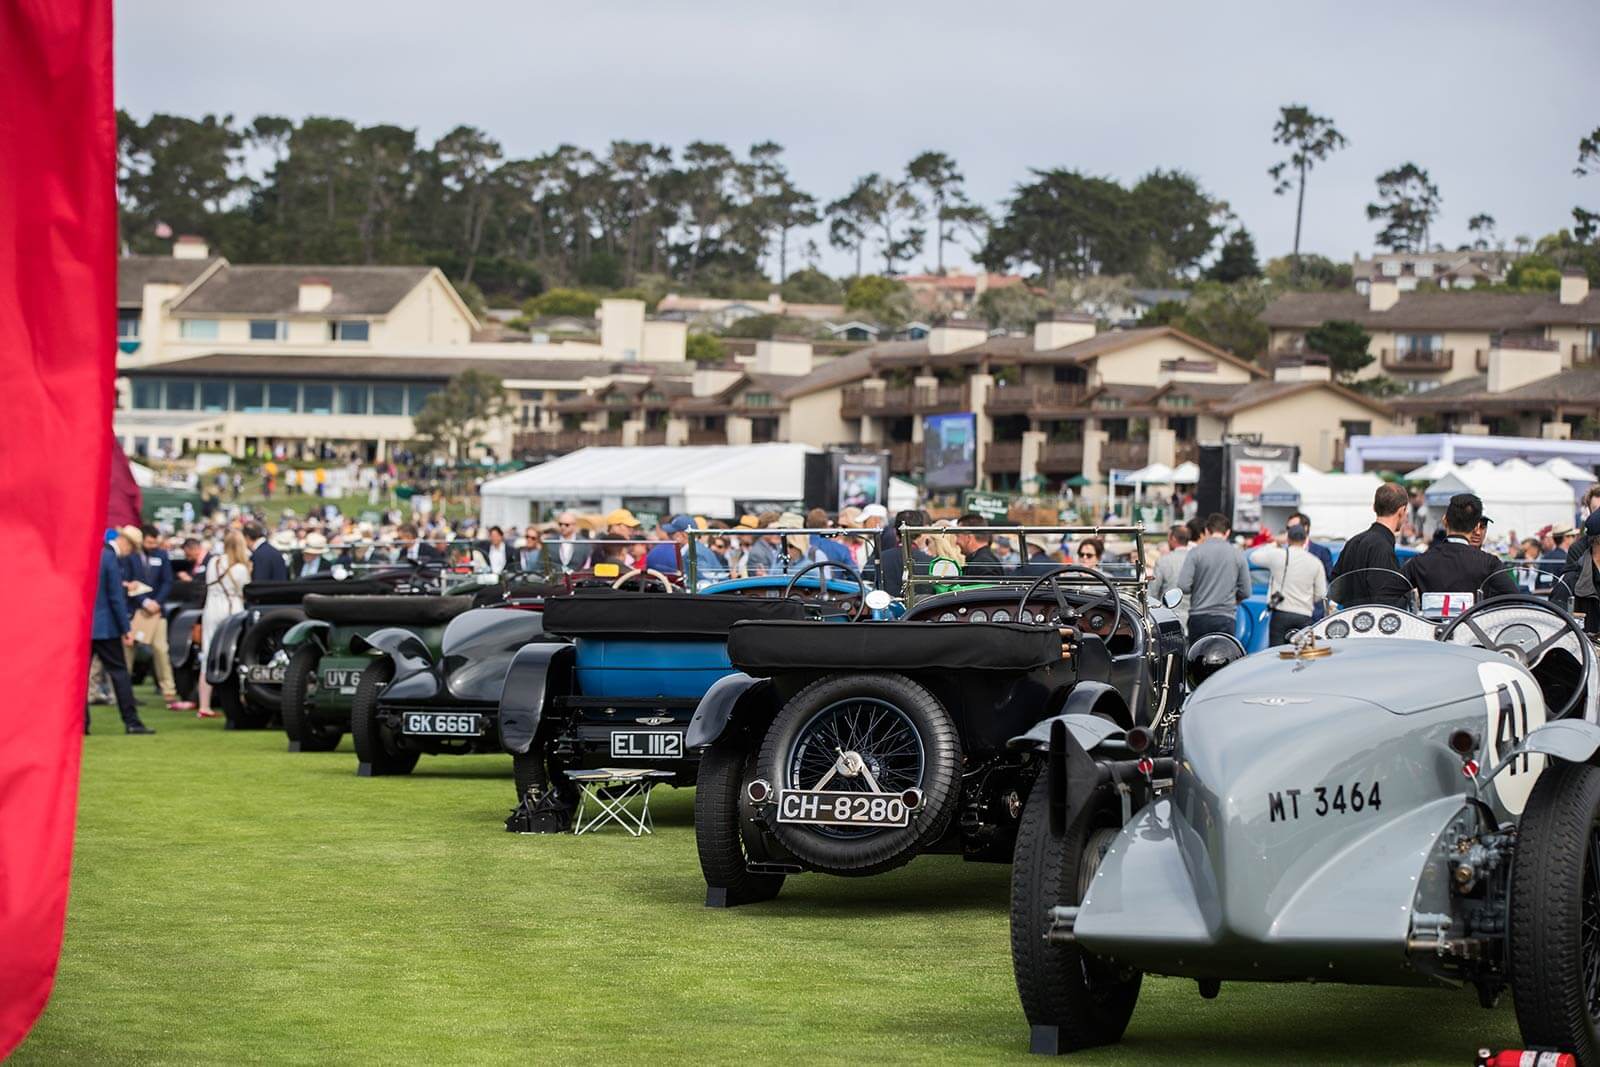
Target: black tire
[[235, 716], [720, 825], [1555, 913], [258, 645], [1072, 1000], [376, 752], [186, 680], [854, 852], [296, 704]]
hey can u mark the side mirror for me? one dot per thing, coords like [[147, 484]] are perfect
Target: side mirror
[[1172, 598]]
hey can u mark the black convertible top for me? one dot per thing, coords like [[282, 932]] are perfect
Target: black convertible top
[[412, 610], [768, 648], [293, 590], [619, 614]]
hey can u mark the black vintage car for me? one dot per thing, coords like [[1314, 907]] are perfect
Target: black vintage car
[[851, 750]]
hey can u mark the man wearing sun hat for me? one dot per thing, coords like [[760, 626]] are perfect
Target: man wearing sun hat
[[621, 523], [312, 561]]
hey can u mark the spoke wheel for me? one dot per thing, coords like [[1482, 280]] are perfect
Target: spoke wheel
[[881, 734]]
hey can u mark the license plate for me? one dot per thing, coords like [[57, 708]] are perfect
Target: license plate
[[647, 744], [341, 679], [265, 673], [812, 807], [441, 724]]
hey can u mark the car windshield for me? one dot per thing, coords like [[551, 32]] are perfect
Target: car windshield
[[715, 555], [948, 558]]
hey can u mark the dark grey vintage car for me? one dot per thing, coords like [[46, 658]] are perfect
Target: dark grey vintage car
[[1390, 800]]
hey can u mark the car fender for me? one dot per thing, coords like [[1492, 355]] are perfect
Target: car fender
[[715, 712], [307, 630], [180, 635], [405, 648], [535, 673], [1089, 731], [225, 646], [1094, 711], [1572, 740]]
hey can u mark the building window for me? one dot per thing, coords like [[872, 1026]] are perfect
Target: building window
[[146, 393], [1355, 428], [248, 396], [197, 329], [213, 396], [1419, 343], [418, 395], [127, 324], [348, 330], [180, 395], [268, 330], [758, 400], [388, 400], [283, 396], [317, 399], [353, 399], [617, 400]]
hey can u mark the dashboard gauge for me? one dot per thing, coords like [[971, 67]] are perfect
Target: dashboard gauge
[[1338, 628], [978, 616], [1000, 615], [1025, 615], [1363, 622], [1519, 635], [1389, 623], [948, 616]]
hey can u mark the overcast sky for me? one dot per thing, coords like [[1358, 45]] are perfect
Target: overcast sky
[[1491, 99]]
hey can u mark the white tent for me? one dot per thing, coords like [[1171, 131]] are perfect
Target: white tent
[[1516, 464], [1568, 471], [1339, 505], [1431, 472], [1186, 473], [696, 480], [1154, 474], [1517, 501], [903, 496]]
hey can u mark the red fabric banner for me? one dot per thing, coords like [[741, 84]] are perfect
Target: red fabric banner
[[58, 249]]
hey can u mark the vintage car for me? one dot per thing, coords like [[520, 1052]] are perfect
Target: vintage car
[[620, 690], [1390, 799], [851, 750], [329, 654]]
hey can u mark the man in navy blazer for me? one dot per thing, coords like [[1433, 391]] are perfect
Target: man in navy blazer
[[110, 630], [266, 562]]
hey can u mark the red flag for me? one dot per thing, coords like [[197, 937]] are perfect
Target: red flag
[[58, 234]]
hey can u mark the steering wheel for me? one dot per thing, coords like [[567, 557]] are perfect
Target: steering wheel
[[645, 572], [1068, 614], [1528, 657], [822, 582]]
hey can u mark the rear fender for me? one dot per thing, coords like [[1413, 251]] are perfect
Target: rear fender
[[1094, 711], [1071, 775], [536, 672], [405, 648], [307, 630], [225, 646], [735, 695], [180, 635]]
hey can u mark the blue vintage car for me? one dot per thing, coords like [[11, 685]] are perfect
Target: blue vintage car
[[620, 687]]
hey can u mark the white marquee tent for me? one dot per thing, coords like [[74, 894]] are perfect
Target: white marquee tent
[[710, 480], [1517, 500], [1339, 505]]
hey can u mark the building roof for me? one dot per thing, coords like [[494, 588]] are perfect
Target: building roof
[[1469, 309], [275, 290], [254, 364], [1579, 387], [959, 282], [136, 272], [1256, 394]]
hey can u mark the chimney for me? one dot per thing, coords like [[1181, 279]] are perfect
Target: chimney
[[189, 246], [1382, 293], [783, 355], [621, 329], [1574, 285], [1057, 329], [315, 294], [954, 335], [1302, 367], [1515, 362]]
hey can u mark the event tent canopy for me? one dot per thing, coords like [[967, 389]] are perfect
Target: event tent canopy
[[1186, 473], [1339, 505], [1153, 474], [1430, 472], [1520, 501], [1568, 471]]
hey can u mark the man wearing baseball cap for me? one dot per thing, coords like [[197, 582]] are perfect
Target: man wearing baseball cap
[[664, 556], [1454, 565]]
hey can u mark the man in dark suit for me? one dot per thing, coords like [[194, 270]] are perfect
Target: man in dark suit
[[1356, 577], [565, 551], [981, 560], [111, 632], [266, 562], [146, 563], [891, 562], [1455, 566]]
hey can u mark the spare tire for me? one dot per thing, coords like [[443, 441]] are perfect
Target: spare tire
[[905, 738]]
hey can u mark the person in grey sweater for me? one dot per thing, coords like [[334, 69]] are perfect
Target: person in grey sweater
[[1169, 566], [1214, 579]]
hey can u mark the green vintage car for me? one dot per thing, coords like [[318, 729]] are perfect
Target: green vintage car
[[329, 651]]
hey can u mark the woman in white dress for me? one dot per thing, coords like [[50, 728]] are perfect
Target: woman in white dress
[[226, 576]]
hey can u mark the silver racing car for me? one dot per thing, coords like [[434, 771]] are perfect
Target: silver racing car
[[1391, 799]]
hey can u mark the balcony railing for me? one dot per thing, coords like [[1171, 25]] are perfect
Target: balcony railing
[[1003, 457], [564, 440], [1124, 455], [1418, 359], [1059, 457], [1020, 399], [708, 437], [857, 400], [653, 437]]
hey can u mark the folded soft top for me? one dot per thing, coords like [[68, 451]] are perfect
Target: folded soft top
[[403, 610], [619, 614], [767, 648]]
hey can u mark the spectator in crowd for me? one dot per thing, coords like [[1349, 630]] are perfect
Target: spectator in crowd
[[1590, 502], [1457, 565], [194, 555], [1321, 552], [621, 523], [111, 633], [410, 549], [266, 562], [825, 546], [225, 576], [1416, 511], [1091, 553], [313, 559], [1005, 553], [529, 554], [566, 552], [1554, 559], [1042, 556], [496, 553], [766, 555], [1215, 579], [1356, 577], [147, 578], [891, 571], [1169, 566], [980, 558], [1297, 583], [665, 556]]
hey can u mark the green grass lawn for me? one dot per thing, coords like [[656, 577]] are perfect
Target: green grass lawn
[[231, 902]]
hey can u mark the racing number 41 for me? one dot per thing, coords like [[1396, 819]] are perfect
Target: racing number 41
[[1322, 801]]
